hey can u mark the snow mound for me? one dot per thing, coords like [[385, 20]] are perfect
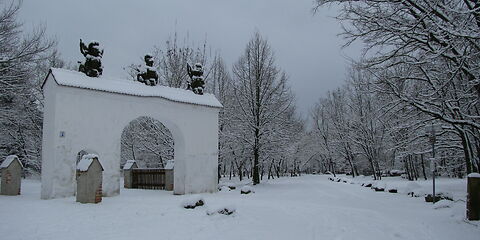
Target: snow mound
[[128, 165], [123, 86], [379, 186], [8, 160], [86, 161], [225, 210], [193, 202], [224, 189], [247, 189], [442, 204], [230, 185]]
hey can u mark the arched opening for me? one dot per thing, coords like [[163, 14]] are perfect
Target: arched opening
[[150, 145], [148, 142]]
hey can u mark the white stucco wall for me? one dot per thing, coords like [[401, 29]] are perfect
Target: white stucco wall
[[92, 119]]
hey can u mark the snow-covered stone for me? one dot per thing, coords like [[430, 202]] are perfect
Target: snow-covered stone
[[225, 210], [443, 204], [193, 202], [224, 189], [247, 189]]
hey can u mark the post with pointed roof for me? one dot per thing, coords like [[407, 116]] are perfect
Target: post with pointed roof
[[127, 173], [11, 169], [89, 179]]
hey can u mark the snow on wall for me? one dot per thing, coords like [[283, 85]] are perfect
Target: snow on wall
[[78, 118], [77, 79]]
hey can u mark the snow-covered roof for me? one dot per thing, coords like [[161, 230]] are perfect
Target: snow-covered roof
[[170, 164], [128, 165], [86, 161], [474, 175], [70, 78], [8, 160]]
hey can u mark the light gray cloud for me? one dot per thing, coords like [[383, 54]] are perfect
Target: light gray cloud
[[307, 46]]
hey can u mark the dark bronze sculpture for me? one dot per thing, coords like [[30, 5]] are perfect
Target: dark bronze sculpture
[[93, 59], [148, 75], [196, 84]]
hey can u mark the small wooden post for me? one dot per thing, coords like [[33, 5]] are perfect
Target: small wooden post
[[89, 179], [11, 169], [127, 173], [473, 197]]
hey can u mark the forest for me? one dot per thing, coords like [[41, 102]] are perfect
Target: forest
[[411, 102]]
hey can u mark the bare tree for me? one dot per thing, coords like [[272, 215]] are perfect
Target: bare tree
[[262, 99], [425, 54], [23, 60]]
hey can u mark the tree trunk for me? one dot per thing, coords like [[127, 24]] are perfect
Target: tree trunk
[[423, 168], [256, 175]]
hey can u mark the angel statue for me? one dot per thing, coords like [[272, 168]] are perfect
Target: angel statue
[[196, 83], [93, 59]]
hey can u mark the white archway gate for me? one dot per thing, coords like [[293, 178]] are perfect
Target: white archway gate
[[90, 113]]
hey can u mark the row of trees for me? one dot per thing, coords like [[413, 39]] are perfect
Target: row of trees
[[420, 71], [24, 60], [258, 125]]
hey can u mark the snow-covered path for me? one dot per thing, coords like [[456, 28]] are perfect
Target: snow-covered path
[[309, 207]]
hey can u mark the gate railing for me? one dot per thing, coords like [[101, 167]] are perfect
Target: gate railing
[[149, 178]]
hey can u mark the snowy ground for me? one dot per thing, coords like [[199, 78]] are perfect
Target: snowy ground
[[309, 207]]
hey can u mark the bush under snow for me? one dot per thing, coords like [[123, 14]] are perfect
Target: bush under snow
[[193, 202], [225, 210], [247, 189]]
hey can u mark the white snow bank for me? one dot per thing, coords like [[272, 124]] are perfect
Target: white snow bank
[[442, 204], [128, 165], [224, 189], [193, 202], [230, 185], [474, 175], [8, 160], [247, 189], [225, 210], [86, 161], [379, 184], [77, 79]]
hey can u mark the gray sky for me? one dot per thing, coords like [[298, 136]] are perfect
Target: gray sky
[[306, 46]]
